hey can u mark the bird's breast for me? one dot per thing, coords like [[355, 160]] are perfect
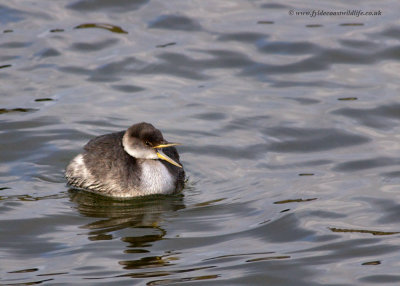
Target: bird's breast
[[155, 178]]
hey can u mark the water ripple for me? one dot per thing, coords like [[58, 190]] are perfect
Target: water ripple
[[175, 22], [384, 117], [118, 6], [312, 140]]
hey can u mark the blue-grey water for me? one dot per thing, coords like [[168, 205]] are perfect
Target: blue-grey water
[[290, 126]]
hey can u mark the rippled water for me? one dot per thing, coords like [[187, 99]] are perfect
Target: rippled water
[[290, 127]]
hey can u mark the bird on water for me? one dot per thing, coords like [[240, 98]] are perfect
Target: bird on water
[[135, 162]]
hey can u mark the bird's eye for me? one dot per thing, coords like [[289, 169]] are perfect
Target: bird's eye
[[147, 143]]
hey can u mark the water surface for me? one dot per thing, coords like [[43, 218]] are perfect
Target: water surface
[[290, 128]]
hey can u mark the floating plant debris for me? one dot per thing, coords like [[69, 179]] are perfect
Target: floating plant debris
[[43, 99], [377, 262], [166, 45], [25, 270], [294, 201], [268, 258], [373, 232], [56, 30], [347, 98], [9, 110], [5, 66], [352, 24], [109, 27], [314, 26], [265, 22]]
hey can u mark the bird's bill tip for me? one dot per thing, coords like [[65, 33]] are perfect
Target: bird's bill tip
[[164, 157]]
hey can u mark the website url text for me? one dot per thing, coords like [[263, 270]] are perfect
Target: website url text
[[317, 13]]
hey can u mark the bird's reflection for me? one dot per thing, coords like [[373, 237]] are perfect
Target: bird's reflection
[[114, 214], [137, 221]]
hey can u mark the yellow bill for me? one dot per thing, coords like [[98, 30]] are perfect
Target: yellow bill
[[166, 145], [162, 156]]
